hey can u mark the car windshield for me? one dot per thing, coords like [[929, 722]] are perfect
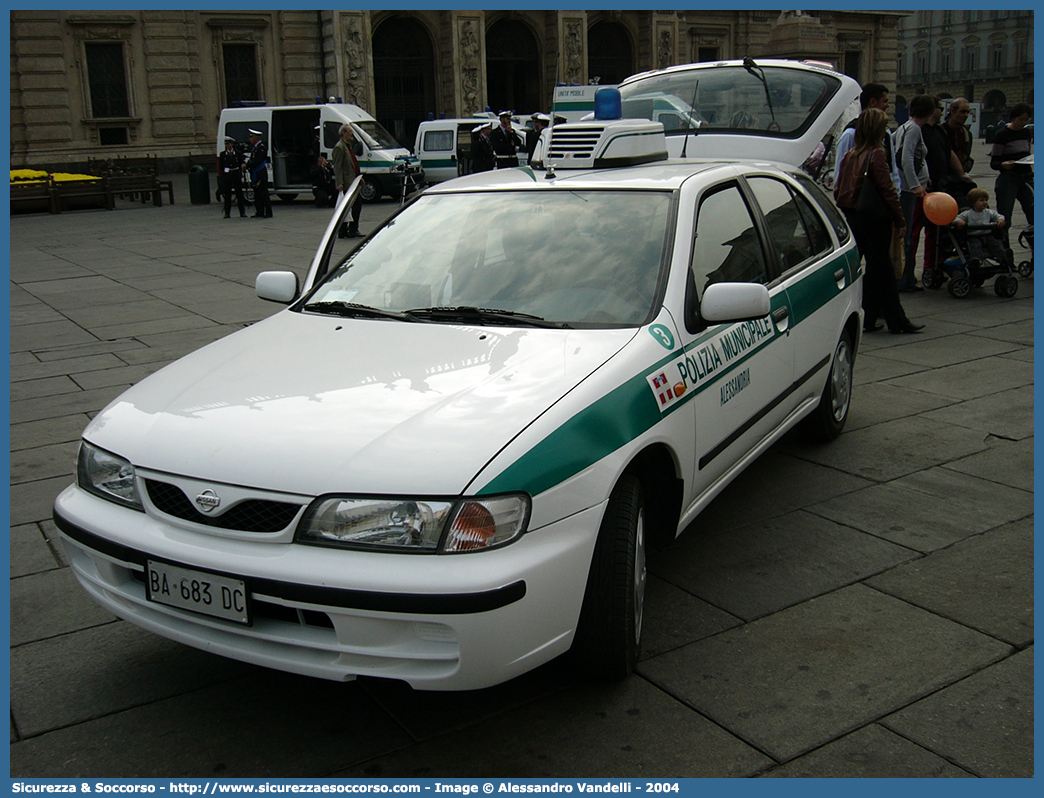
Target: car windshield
[[568, 258], [377, 138], [731, 99]]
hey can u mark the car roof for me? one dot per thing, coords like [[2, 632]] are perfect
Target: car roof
[[661, 175]]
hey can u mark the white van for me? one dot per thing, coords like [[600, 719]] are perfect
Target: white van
[[293, 146], [573, 103], [444, 145]]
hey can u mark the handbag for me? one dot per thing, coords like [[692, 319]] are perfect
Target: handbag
[[897, 252], [870, 200]]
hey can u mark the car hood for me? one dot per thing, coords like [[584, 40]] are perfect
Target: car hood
[[314, 404]]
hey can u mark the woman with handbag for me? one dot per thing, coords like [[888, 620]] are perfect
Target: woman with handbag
[[866, 195]]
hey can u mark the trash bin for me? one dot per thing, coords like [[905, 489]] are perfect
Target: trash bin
[[199, 185]]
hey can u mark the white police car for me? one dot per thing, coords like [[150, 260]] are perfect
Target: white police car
[[444, 461]]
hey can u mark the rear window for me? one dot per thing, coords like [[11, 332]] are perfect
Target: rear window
[[731, 99], [438, 141]]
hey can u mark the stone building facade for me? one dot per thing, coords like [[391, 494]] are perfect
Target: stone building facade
[[984, 56], [121, 83]]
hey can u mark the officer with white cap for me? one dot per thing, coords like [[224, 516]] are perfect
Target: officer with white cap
[[482, 156], [540, 121], [505, 142], [230, 176], [257, 173]]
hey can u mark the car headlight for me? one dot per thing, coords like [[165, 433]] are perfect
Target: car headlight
[[414, 525], [106, 475]]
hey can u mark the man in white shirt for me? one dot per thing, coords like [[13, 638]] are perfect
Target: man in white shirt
[[873, 95]]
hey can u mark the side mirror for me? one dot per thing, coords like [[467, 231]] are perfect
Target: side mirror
[[281, 287], [735, 302], [357, 147]]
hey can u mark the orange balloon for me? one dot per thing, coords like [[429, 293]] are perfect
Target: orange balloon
[[940, 208]]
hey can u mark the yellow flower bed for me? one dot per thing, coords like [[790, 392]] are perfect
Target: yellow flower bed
[[26, 174], [60, 176], [34, 175]]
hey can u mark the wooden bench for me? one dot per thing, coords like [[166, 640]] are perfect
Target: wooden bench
[[137, 167], [76, 194], [141, 187], [34, 196]]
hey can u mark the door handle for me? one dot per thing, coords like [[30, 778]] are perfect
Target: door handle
[[780, 314]]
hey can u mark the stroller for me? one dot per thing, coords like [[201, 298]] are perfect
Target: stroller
[[1025, 267], [953, 261], [965, 272]]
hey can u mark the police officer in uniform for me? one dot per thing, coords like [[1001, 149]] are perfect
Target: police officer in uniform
[[482, 157], [505, 142], [540, 121], [257, 169], [230, 176]]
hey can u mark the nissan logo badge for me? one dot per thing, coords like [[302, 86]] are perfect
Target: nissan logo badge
[[207, 501]]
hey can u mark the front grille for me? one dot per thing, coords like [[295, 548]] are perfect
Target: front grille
[[252, 515]]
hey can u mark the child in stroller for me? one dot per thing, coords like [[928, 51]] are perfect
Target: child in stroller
[[983, 224], [977, 252]]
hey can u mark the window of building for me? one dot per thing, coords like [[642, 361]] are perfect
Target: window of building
[[709, 54], [921, 62], [997, 53], [853, 64], [945, 60], [970, 58], [107, 80], [240, 65], [1020, 53]]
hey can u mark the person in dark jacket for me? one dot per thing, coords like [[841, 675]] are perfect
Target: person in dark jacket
[[482, 156], [230, 176], [873, 233], [324, 183], [1014, 180], [505, 142], [257, 174]]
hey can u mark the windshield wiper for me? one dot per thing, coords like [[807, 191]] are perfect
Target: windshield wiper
[[468, 313], [353, 311]]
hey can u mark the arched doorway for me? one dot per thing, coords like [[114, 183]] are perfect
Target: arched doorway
[[610, 55], [513, 77], [403, 76]]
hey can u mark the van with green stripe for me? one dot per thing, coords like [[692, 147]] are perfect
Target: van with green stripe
[[444, 461]]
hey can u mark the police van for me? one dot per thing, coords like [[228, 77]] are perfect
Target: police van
[[445, 460], [443, 146], [294, 144]]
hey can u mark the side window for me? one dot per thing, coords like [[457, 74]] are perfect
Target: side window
[[817, 232], [331, 135], [826, 205], [726, 247], [438, 141], [793, 241]]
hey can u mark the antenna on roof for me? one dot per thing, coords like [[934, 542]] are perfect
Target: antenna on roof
[[688, 119]]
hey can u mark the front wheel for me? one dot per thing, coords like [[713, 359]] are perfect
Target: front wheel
[[828, 419], [371, 190], [608, 637], [1026, 268]]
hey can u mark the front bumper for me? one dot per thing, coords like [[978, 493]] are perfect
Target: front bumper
[[438, 622]]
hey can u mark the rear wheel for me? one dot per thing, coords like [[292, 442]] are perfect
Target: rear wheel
[[371, 190], [828, 419], [608, 636], [1006, 286], [287, 197], [1026, 268]]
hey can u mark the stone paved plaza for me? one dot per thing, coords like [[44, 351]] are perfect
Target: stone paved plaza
[[859, 609]]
